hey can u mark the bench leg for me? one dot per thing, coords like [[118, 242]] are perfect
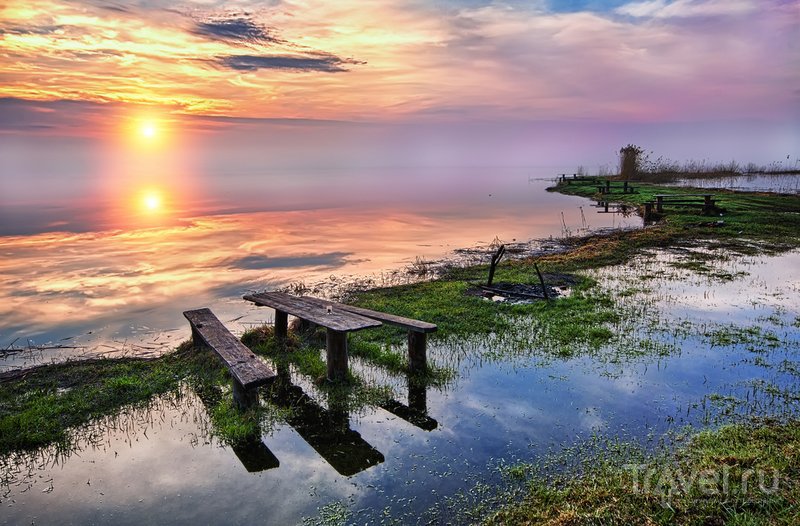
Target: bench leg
[[197, 341], [417, 351], [281, 325], [336, 347], [244, 398], [648, 212], [659, 205]]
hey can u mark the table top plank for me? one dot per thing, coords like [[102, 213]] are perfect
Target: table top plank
[[313, 311]]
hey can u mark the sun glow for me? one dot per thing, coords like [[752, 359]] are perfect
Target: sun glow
[[148, 130], [151, 201]]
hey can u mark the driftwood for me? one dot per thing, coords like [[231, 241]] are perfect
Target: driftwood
[[504, 292], [495, 260], [541, 280]]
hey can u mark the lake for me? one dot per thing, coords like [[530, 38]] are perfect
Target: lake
[[689, 350], [117, 280]]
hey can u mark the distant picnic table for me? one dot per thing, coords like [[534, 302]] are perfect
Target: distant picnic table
[[704, 201]]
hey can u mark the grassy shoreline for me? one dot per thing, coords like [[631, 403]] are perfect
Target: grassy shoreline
[[737, 474], [43, 407]]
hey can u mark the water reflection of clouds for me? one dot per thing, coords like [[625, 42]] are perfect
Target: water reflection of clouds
[[148, 471], [53, 277], [63, 284]]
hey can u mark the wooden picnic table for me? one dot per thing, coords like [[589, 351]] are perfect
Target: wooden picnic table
[[339, 319], [337, 323], [417, 330], [609, 185], [685, 200]]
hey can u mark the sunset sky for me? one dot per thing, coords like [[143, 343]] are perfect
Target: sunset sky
[[247, 87]]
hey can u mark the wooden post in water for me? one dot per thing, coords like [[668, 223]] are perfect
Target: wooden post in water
[[708, 204], [417, 395], [336, 346], [417, 353], [495, 260]]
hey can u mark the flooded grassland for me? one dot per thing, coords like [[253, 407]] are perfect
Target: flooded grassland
[[684, 326]]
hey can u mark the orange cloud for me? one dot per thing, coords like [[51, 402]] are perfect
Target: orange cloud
[[342, 60]]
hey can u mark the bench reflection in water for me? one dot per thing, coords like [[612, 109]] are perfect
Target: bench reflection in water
[[326, 430], [254, 455]]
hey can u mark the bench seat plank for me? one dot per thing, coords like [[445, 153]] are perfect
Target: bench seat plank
[[391, 319], [680, 196], [685, 202], [313, 311], [244, 365]]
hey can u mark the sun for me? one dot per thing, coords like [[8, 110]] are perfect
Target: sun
[[152, 201], [148, 130]]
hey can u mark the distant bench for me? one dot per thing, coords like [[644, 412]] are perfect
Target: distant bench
[[247, 370], [707, 204], [339, 319], [577, 178], [607, 187]]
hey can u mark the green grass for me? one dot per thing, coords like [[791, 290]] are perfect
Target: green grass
[[713, 480], [41, 408], [752, 222], [575, 319]]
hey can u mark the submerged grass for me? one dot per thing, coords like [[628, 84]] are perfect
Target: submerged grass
[[301, 353], [739, 474]]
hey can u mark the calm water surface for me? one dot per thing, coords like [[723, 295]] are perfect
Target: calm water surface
[[108, 288]]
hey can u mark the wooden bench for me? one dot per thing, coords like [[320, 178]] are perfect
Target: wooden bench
[[707, 205], [247, 370], [578, 178], [337, 322], [613, 208]]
